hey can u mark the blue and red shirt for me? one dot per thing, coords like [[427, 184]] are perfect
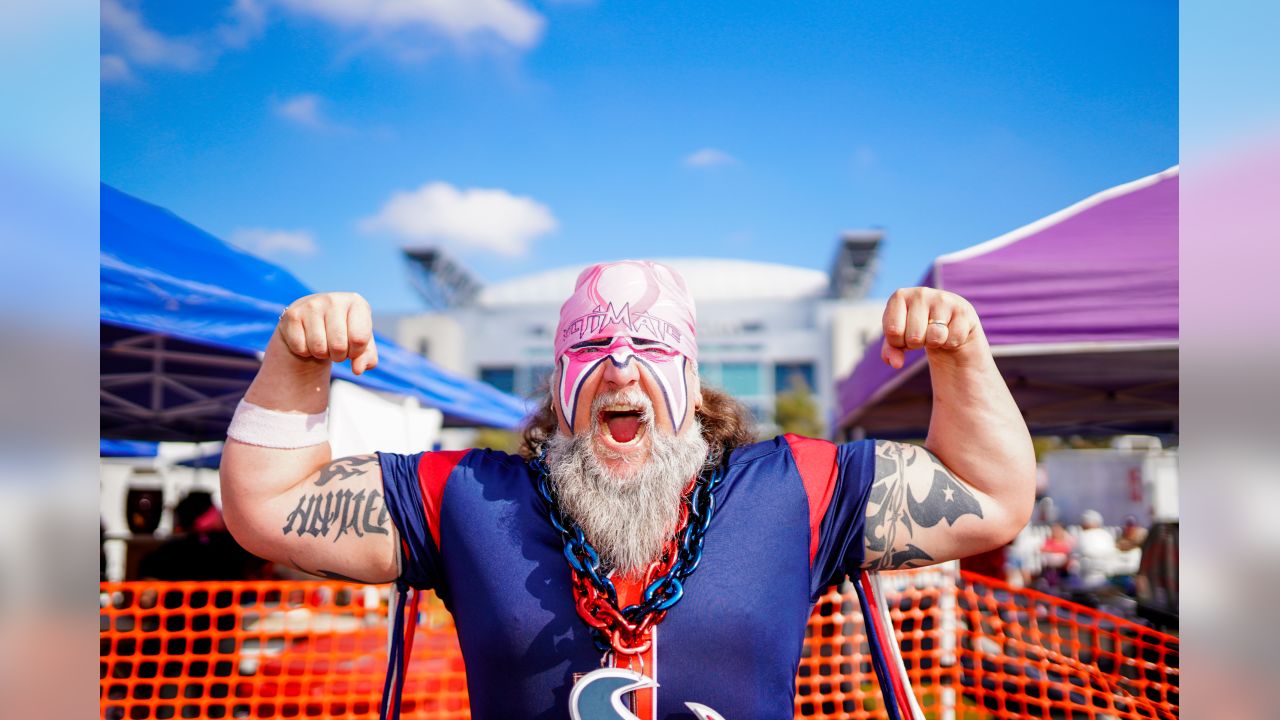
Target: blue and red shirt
[[788, 523]]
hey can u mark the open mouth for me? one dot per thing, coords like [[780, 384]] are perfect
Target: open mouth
[[623, 423]]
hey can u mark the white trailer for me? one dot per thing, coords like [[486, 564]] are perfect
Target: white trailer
[[1133, 477]]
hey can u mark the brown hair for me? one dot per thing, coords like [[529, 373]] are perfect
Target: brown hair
[[726, 424]]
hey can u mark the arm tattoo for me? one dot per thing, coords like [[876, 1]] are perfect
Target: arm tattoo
[[337, 512], [331, 575], [328, 574], [892, 507], [345, 468]]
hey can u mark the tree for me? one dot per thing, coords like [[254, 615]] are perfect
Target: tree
[[495, 439], [795, 410]]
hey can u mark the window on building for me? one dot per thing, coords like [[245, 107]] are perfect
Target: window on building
[[709, 374], [742, 379], [502, 378], [785, 374], [424, 347]]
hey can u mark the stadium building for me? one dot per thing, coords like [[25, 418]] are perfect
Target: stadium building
[[761, 326]]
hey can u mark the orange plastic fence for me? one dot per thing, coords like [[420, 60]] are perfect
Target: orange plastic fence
[[835, 679], [973, 648], [1027, 654], [266, 650]]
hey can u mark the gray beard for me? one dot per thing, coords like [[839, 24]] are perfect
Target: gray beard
[[627, 519]]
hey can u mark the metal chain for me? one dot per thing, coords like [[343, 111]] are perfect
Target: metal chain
[[627, 631]]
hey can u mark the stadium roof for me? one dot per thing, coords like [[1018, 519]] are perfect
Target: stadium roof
[[709, 279]]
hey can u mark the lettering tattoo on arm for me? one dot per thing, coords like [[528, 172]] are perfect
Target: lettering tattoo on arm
[[339, 511], [894, 513]]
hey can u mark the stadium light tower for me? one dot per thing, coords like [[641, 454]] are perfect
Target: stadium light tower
[[854, 266], [439, 280]]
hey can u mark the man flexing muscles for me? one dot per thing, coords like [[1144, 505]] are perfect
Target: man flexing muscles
[[642, 526]]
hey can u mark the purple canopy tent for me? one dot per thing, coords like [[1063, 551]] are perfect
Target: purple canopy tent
[[1081, 310]]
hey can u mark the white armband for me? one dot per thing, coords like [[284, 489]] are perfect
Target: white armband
[[256, 425]]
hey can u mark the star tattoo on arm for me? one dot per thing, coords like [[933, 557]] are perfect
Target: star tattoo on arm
[[894, 515]]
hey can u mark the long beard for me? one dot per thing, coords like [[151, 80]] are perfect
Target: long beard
[[627, 519]]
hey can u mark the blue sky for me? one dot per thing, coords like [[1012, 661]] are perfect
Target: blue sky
[[326, 134]]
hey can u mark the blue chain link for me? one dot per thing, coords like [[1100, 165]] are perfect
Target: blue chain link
[[661, 594]]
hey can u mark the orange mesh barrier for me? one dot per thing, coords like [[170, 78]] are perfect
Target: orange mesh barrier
[[835, 679], [1027, 654], [974, 648], [266, 650], [978, 648]]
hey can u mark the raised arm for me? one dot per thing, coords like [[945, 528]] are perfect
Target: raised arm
[[299, 507], [971, 487]]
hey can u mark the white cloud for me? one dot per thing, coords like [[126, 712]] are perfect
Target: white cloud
[[488, 219], [263, 241], [129, 42], [126, 35], [510, 20], [303, 109], [115, 69], [708, 158], [246, 19], [124, 30]]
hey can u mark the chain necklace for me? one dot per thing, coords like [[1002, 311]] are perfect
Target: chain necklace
[[629, 630]]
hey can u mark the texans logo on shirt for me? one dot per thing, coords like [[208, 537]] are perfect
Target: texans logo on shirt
[[598, 696]]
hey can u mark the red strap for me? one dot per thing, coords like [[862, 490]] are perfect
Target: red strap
[[433, 472], [886, 636], [816, 460], [631, 592]]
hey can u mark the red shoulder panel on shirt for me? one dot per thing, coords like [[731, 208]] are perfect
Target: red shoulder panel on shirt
[[433, 472], [816, 460]]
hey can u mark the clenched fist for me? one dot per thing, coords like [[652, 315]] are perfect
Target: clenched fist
[[331, 326], [922, 317]]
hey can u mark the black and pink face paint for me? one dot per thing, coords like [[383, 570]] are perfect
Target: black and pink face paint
[[664, 366], [631, 311]]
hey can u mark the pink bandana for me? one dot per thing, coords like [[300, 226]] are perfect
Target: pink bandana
[[628, 300]]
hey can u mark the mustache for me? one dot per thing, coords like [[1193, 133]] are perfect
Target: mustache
[[633, 396]]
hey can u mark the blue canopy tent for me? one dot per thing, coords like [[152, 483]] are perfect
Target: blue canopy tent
[[127, 448], [184, 317], [133, 449]]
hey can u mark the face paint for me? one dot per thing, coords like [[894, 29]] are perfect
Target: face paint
[[635, 311], [665, 367], [629, 298]]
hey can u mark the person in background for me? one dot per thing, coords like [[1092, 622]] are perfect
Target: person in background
[[1128, 554], [1132, 535], [1055, 557], [1096, 549], [201, 547], [1021, 561]]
